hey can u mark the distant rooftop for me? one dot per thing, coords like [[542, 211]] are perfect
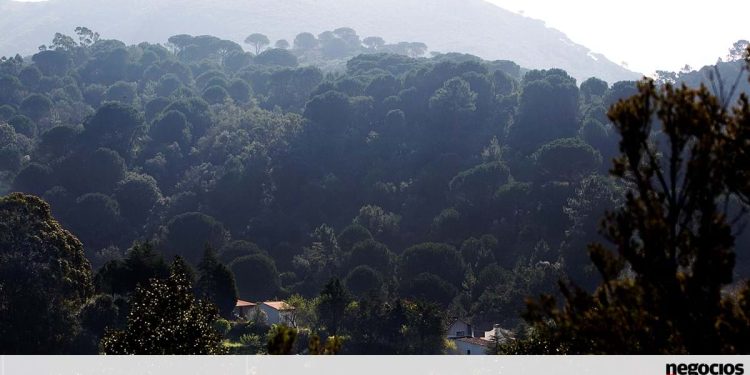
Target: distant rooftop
[[278, 305], [241, 303], [474, 340]]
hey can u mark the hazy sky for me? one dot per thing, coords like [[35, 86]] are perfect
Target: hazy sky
[[647, 34]]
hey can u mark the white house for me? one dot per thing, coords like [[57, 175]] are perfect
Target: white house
[[278, 312], [462, 335], [471, 345], [243, 309], [502, 334], [460, 328]]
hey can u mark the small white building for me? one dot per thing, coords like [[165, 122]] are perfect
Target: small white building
[[462, 335], [244, 309], [278, 312], [502, 334], [471, 345], [460, 328]]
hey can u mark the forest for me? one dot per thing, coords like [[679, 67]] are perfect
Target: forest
[[379, 190]]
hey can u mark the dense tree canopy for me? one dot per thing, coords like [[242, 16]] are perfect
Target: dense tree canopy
[[429, 186], [672, 233], [44, 279], [166, 318], [216, 283]]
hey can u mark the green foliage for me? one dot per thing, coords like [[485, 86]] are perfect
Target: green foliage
[[332, 345], [103, 169], [101, 313], [238, 249], [321, 261], [30, 76], [166, 319], [52, 62], [618, 91], [362, 280], [41, 264], [122, 92], [738, 51], [122, 276], [215, 94], [454, 99], [254, 344], [36, 106], [188, 234], [9, 88], [672, 235], [379, 222], [223, 326], [216, 283], [351, 235], [199, 143], [34, 178], [478, 253], [258, 41], [593, 87], [277, 57], [429, 287], [167, 85], [436, 258], [331, 306], [137, 194], [547, 109], [593, 196], [7, 112], [114, 126], [171, 127], [566, 159], [96, 218], [256, 276], [281, 340], [305, 41], [304, 313], [240, 91], [331, 109], [479, 183], [373, 254], [426, 328]]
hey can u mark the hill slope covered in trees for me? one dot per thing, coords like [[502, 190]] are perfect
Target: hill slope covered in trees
[[468, 26], [401, 192]]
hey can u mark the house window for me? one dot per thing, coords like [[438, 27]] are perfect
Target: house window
[[460, 333], [468, 351]]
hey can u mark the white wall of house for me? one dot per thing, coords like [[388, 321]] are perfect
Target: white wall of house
[[271, 313], [276, 316], [467, 348], [244, 312], [459, 328]]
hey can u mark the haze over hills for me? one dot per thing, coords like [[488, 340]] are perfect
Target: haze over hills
[[468, 26]]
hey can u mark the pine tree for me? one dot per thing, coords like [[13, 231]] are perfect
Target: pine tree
[[44, 279], [664, 286], [166, 318], [332, 305], [216, 283], [281, 340]]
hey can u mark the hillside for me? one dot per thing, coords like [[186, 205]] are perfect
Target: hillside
[[468, 26]]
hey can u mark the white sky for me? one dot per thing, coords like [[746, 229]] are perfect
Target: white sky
[[647, 34]]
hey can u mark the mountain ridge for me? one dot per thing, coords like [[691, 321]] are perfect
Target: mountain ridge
[[472, 26]]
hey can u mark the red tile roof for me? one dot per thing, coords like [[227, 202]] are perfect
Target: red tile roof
[[241, 303], [278, 305], [475, 341]]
